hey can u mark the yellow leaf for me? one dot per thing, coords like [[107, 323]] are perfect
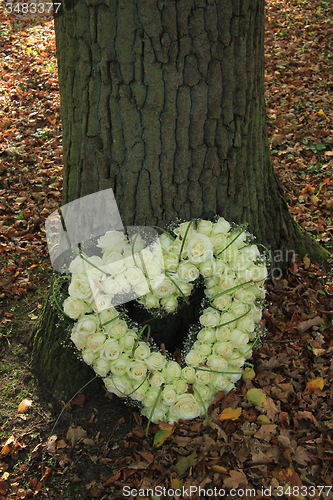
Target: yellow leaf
[[315, 384], [163, 434], [306, 259], [262, 419], [8, 445], [230, 414], [321, 113], [248, 374], [257, 397], [176, 484], [24, 406]]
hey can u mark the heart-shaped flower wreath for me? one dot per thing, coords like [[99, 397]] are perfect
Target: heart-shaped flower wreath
[[162, 277]]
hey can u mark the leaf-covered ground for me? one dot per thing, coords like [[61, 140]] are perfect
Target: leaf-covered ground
[[272, 438]]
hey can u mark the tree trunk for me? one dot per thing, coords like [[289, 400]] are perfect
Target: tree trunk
[[163, 101]]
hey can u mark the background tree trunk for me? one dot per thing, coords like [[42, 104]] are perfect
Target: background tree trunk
[[163, 101]]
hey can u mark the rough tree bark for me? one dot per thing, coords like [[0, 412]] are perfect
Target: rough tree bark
[[163, 101]]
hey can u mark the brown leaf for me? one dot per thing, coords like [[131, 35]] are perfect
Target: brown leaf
[[301, 456], [265, 432], [184, 463], [309, 323], [270, 408], [316, 384], [236, 479], [51, 444], [74, 434], [79, 400]]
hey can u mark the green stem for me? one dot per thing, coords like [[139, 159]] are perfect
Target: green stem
[[184, 239], [152, 411], [168, 275], [231, 242], [203, 405]]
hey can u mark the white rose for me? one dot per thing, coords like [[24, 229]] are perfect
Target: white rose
[[170, 304], [74, 308], [107, 315], [112, 241], [156, 380], [206, 392], [127, 342], [96, 340], [246, 324], [207, 268], [142, 351], [211, 282], [119, 366], [77, 266], [245, 294], [124, 285], [240, 261], [120, 386], [193, 358], [95, 268], [171, 261], [187, 272], [234, 377], [205, 227], [141, 288], [177, 245], [221, 269], [227, 282], [180, 385], [136, 370], [153, 269], [171, 371], [150, 301], [134, 275], [166, 241], [203, 349], [219, 241], [222, 302], [155, 361], [206, 335], [188, 373], [240, 241], [164, 289], [224, 349], [256, 313], [210, 317], [117, 328], [252, 252], [89, 356], [229, 253], [110, 286], [137, 242], [211, 292], [222, 334], [255, 273], [101, 367], [182, 228], [185, 287], [87, 324], [239, 338], [110, 350], [114, 262], [204, 377], [227, 319], [160, 412], [236, 360], [169, 395], [246, 351], [221, 226], [217, 363], [238, 308], [140, 392], [222, 383], [101, 302], [199, 248], [80, 288], [185, 407], [150, 397]]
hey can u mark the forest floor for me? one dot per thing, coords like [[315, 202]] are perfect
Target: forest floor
[[280, 449]]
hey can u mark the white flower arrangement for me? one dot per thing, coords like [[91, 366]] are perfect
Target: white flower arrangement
[[161, 277]]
